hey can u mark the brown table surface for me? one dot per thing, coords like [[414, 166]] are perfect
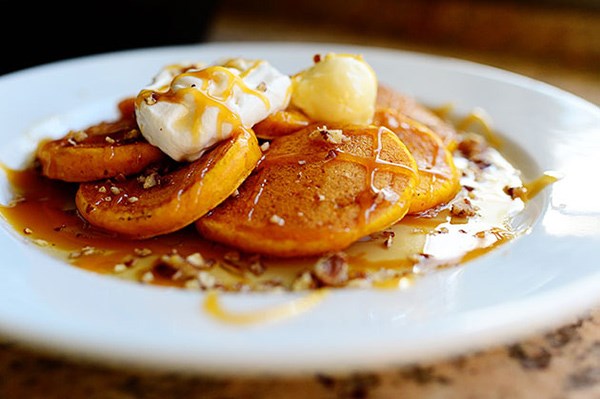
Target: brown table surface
[[564, 362]]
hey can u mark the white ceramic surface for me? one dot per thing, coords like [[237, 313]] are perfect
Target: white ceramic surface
[[529, 284]]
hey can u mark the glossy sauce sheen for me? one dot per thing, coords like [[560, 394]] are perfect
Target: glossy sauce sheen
[[43, 211], [213, 307], [372, 164]]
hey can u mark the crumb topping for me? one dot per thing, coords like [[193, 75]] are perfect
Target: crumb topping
[[333, 136], [262, 86], [206, 280], [389, 240], [84, 251], [142, 252], [304, 281], [276, 219], [150, 100], [148, 277], [149, 181], [120, 267], [76, 137], [463, 208], [195, 259], [516, 192], [132, 134]]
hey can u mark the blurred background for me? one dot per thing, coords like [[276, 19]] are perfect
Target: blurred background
[[553, 40]]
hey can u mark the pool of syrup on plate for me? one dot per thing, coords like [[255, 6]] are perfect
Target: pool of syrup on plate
[[43, 211]]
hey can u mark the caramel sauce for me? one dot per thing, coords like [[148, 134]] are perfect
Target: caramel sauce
[[500, 236], [46, 210], [203, 98], [257, 196], [477, 116], [43, 211], [213, 307], [443, 111], [535, 186], [402, 282], [372, 165], [423, 165]]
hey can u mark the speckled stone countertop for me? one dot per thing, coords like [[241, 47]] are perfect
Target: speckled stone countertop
[[563, 363]]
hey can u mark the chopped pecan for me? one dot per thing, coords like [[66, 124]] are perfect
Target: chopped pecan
[[332, 270], [463, 208]]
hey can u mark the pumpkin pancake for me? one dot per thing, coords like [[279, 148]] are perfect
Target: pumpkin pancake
[[281, 123], [168, 198], [316, 191], [99, 152], [439, 180], [389, 98]]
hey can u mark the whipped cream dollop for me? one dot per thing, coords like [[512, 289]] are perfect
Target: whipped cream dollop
[[190, 107], [337, 88]]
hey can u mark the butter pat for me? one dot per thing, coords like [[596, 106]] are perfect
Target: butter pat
[[339, 88], [189, 108]]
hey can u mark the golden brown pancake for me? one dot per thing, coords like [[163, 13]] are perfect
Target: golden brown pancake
[[99, 152], [317, 191], [439, 180], [389, 98], [164, 200]]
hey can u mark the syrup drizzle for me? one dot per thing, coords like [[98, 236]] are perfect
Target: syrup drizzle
[[257, 195], [372, 165], [213, 307], [535, 186], [478, 116], [427, 166], [203, 99]]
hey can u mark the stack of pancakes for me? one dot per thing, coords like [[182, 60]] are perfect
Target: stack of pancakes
[[291, 186]]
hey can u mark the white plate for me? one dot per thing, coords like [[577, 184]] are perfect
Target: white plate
[[531, 283]]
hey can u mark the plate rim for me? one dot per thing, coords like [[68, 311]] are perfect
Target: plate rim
[[579, 301]]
